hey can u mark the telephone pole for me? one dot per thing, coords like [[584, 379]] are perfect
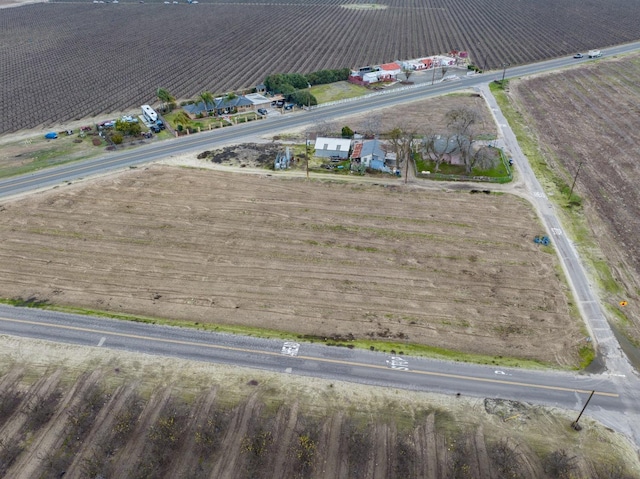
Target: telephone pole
[[504, 71], [574, 424], [575, 178], [306, 152]]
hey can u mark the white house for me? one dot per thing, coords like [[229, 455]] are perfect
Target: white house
[[389, 71], [328, 147]]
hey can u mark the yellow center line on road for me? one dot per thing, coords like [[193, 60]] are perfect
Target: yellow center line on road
[[310, 358]]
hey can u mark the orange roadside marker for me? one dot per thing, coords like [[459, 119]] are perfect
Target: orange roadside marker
[[623, 303]]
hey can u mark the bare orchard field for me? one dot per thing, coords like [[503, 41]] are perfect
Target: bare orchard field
[[70, 60], [442, 268], [589, 116], [89, 413]]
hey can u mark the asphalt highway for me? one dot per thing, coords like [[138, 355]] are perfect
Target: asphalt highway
[[48, 178], [334, 363], [613, 403]]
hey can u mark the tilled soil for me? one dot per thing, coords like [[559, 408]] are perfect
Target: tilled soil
[[587, 122], [317, 259]]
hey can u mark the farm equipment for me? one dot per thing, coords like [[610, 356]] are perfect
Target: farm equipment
[[543, 240]]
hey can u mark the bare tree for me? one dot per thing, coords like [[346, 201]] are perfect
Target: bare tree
[[326, 128], [407, 73], [560, 465], [484, 158], [430, 149], [371, 126], [401, 139], [505, 459], [460, 123]]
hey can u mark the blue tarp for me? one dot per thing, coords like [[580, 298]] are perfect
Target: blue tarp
[[51, 135]]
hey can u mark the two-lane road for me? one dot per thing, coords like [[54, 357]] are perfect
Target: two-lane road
[[245, 132], [334, 363]]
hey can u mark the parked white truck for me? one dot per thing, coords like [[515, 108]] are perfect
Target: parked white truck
[[595, 53]]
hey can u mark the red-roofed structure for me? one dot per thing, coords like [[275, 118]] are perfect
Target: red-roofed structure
[[389, 71]]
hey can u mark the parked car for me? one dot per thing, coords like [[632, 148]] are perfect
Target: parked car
[[262, 111], [578, 55], [289, 106]]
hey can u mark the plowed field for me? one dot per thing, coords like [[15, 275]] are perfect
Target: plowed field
[[442, 268], [70, 60], [588, 125]]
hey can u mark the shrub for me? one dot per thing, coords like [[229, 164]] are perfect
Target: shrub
[[347, 132], [116, 138]]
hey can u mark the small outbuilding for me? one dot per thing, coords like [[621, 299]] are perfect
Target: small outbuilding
[[332, 147]]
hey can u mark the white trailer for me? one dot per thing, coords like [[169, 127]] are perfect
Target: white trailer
[[595, 53], [149, 114]]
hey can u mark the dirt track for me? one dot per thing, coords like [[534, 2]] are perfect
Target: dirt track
[[452, 270]]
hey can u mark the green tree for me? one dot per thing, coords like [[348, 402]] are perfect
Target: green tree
[[302, 98], [208, 99], [165, 97], [128, 128], [182, 119], [347, 132]]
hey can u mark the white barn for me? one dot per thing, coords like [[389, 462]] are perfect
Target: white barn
[[328, 147]]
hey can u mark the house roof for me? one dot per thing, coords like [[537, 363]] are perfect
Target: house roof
[[373, 148], [218, 103], [196, 108], [332, 144], [447, 145], [223, 102], [366, 148], [390, 66], [357, 150], [257, 98]]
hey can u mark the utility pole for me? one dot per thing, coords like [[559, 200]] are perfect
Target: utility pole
[[504, 71], [306, 152], [409, 153], [433, 79], [575, 178], [574, 424]]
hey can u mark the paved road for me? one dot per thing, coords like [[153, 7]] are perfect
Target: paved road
[[245, 132], [614, 403], [558, 389]]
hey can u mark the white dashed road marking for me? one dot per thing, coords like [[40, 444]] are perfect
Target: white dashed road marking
[[290, 348]]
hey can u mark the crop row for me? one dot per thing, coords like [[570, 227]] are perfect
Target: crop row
[[66, 61]]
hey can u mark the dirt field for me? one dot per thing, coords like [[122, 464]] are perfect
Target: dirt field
[[446, 269], [90, 412], [589, 117]]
